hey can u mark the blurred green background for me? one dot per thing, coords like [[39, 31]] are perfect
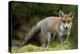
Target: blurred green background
[[24, 15]]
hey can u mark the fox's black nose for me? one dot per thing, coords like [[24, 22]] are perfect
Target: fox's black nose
[[66, 27]]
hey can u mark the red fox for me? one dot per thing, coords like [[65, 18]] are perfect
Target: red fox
[[57, 25]]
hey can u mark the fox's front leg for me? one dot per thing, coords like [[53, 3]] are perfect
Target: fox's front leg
[[67, 36], [61, 37], [61, 41], [52, 36]]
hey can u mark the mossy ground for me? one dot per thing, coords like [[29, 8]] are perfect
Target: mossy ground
[[52, 46]]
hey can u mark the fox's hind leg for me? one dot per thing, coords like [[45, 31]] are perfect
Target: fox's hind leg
[[45, 36], [45, 39]]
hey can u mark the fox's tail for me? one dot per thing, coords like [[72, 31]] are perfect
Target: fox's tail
[[32, 32]]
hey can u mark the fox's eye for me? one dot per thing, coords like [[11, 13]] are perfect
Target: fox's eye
[[68, 21], [64, 21]]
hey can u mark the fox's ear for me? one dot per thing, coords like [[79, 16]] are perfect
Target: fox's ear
[[71, 14], [61, 14]]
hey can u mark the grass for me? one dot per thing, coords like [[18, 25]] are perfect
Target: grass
[[52, 46]]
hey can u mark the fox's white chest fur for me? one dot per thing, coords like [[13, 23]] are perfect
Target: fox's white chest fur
[[61, 30]]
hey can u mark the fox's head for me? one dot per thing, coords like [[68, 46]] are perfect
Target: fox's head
[[66, 19]]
